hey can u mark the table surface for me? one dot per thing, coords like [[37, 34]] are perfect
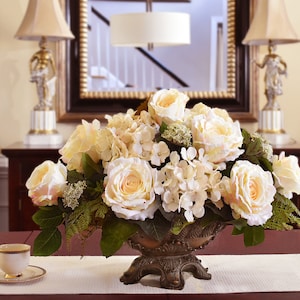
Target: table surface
[[100, 275], [225, 244]]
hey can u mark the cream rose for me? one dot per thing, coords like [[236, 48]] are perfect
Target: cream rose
[[218, 135], [46, 183], [287, 174], [85, 139], [167, 106], [249, 191], [129, 188]]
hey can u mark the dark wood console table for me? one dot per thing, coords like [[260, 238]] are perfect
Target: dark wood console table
[[22, 161]]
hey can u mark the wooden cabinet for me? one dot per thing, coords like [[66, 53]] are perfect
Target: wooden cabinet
[[22, 161]]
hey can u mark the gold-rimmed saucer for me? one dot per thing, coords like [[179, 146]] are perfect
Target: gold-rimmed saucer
[[29, 274]]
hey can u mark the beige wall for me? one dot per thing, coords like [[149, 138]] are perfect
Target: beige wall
[[18, 95]]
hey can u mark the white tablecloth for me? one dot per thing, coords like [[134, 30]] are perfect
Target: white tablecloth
[[98, 275]]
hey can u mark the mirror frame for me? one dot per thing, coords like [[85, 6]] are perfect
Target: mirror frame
[[74, 102]]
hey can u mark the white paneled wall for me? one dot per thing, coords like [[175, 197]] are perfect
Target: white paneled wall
[[3, 193]]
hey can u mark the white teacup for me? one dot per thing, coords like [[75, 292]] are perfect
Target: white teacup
[[14, 259]]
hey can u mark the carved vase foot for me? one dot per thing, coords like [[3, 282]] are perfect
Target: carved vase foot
[[170, 269], [172, 256]]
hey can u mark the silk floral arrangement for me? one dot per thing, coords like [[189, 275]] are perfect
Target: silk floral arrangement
[[159, 168]]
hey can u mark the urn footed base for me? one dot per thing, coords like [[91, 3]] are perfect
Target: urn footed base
[[172, 256], [169, 268]]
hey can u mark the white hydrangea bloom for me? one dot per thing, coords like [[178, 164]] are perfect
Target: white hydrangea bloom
[[186, 184], [160, 151]]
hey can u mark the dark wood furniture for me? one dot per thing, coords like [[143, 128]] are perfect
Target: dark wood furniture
[[22, 161]]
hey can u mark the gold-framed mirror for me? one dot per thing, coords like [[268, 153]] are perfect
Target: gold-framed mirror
[[76, 99]]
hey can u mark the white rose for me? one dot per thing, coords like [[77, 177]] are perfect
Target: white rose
[[85, 139], [129, 188], [287, 174], [202, 109], [46, 183], [168, 106], [249, 191], [218, 135]]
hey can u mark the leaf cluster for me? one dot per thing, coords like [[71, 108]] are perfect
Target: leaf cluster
[[49, 240], [90, 213], [115, 232], [285, 214], [253, 235], [255, 151]]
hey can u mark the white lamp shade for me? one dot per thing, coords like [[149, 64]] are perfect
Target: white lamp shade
[[270, 23], [157, 28], [44, 18]]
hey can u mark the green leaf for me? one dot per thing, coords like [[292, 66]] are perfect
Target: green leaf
[[213, 213], [156, 229], [285, 214], [179, 224], [90, 168], [94, 191], [237, 231], [253, 235], [114, 233], [246, 136], [163, 127], [79, 220], [254, 151], [266, 164], [239, 226], [48, 217], [100, 209], [47, 242], [73, 176], [88, 213]]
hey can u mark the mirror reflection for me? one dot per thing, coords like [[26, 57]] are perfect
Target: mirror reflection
[[82, 93], [202, 65]]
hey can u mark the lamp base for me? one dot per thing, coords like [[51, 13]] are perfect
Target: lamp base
[[271, 121], [278, 139], [43, 129], [43, 140], [271, 127]]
